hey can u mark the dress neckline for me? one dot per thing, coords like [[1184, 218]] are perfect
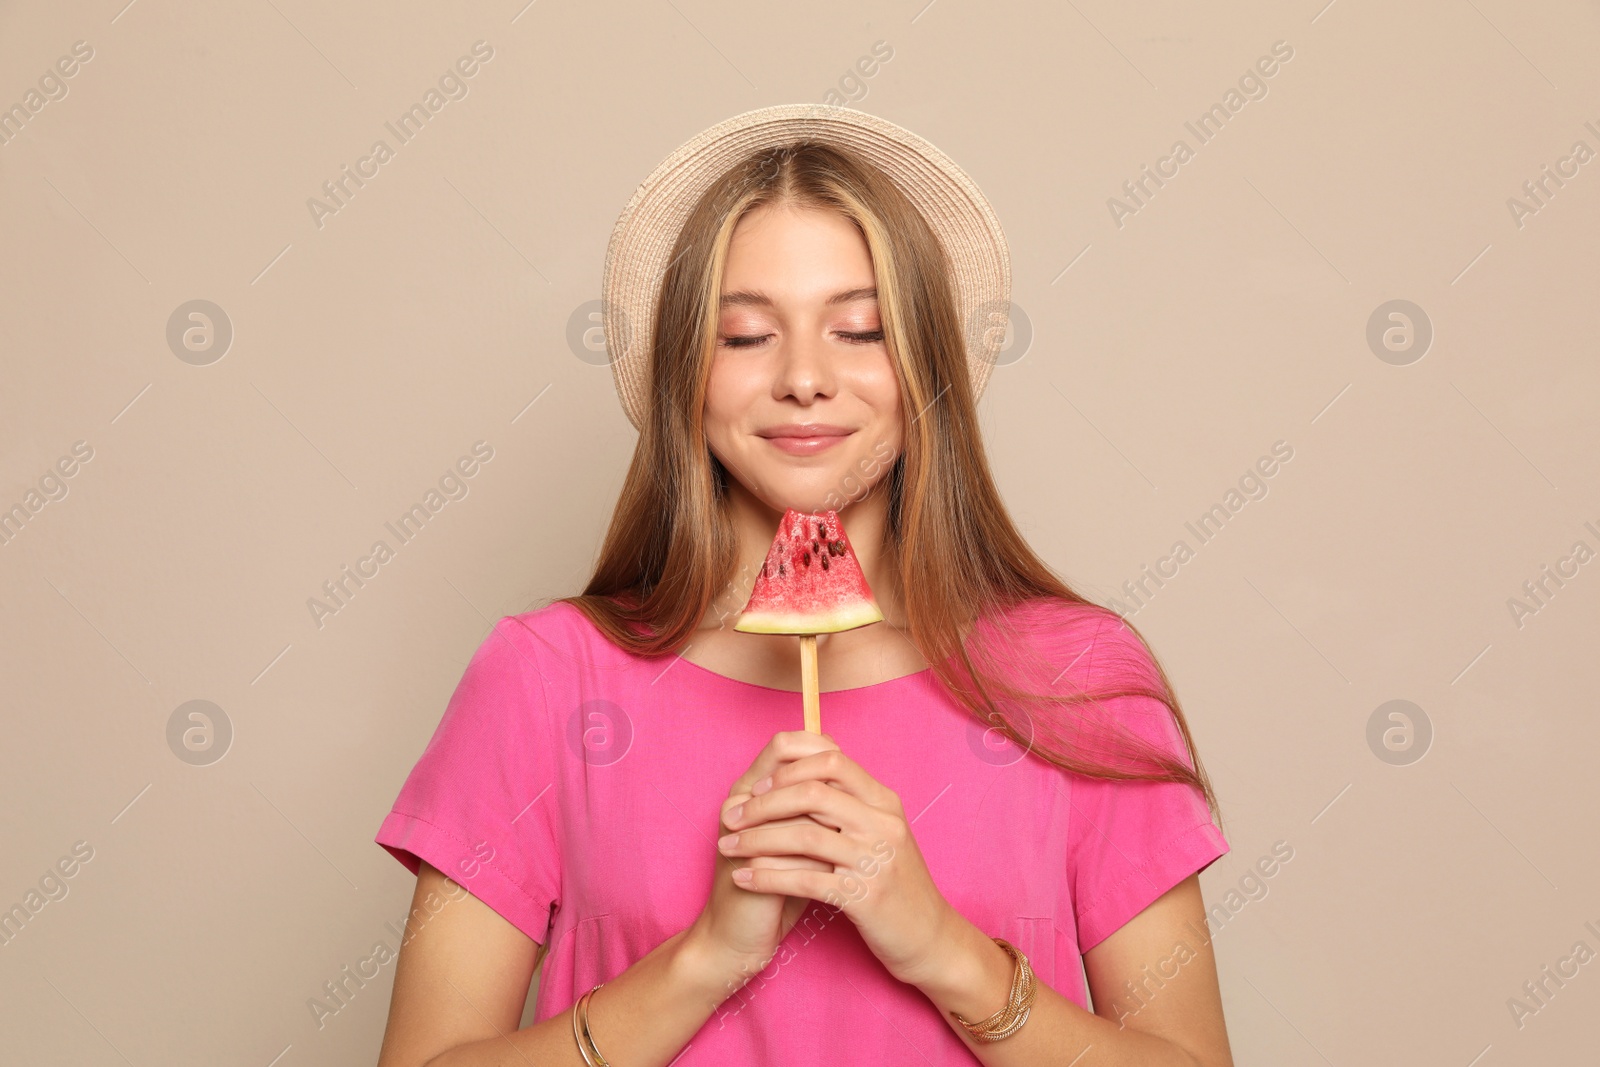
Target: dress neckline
[[796, 692]]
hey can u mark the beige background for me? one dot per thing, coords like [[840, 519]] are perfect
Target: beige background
[[1167, 355]]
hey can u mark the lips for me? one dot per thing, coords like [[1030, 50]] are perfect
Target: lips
[[806, 430], [805, 439]]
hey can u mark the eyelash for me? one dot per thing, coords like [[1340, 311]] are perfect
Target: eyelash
[[866, 338]]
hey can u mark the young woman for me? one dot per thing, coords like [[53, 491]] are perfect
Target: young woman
[[1005, 796]]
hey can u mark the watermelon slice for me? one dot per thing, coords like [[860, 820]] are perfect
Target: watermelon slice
[[810, 582]]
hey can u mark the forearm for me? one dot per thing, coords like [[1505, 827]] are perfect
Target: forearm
[[975, 981], [643, 1017]]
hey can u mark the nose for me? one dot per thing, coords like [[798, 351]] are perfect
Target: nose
[[805, 369]]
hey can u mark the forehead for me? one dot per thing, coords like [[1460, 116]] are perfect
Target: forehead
[[783, 253]]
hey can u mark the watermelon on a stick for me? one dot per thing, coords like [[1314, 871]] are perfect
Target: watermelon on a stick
[[810, 583]]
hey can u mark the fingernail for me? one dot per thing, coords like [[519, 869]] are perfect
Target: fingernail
[[761, 786], [743, 874], [727, 841], [733, 814]]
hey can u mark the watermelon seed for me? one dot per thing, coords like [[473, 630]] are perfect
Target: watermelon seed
[[824, 562], [805, 557], [822, 530], [780, 568], [816, 548]]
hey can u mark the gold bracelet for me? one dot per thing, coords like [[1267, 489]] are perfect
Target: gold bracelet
[[1009, 1019], [580, 1031]]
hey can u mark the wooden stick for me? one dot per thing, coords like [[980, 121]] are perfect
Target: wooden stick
[[808, 682]]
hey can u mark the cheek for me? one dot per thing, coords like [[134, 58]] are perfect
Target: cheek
[[729, 397], [732, 385], [880, 391], [875, 382]]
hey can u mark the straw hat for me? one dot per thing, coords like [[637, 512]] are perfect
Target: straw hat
[[645, 233]]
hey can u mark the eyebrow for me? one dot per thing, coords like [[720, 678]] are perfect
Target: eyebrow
[[756, 298]]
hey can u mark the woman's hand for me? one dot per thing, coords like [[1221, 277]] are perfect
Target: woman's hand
[[740, 928], [875, 871]]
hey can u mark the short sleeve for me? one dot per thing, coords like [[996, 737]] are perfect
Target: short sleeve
[[1130, 841], [480, 803]]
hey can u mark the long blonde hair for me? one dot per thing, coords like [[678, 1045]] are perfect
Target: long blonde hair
[[671, 548]]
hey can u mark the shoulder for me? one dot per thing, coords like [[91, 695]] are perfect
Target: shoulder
[[519, 647], [1094, 660], [1123, 658], [561, 638], [1049, 619], [558, 625], [1084, 642], [525, 662]]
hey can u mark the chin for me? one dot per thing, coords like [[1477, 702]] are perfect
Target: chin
[[809, 499]]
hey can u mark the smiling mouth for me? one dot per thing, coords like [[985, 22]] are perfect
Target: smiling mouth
[[808, 444]]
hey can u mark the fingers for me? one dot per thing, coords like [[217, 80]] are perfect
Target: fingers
[[806, 840], [784, 747], [780, 863], [735, 800], [794, 861], [839, 889], [834, 767], [807, 884], [827, 805]]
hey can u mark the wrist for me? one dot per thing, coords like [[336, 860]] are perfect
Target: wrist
[[972, 975], [712, 972]]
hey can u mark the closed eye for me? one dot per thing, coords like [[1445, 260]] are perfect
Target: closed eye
[[755, 340]]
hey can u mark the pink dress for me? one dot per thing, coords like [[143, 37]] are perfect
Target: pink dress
[[575, 789]]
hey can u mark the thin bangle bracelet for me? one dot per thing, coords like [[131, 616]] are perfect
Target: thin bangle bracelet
[[583, 1050], [586, 1046]]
